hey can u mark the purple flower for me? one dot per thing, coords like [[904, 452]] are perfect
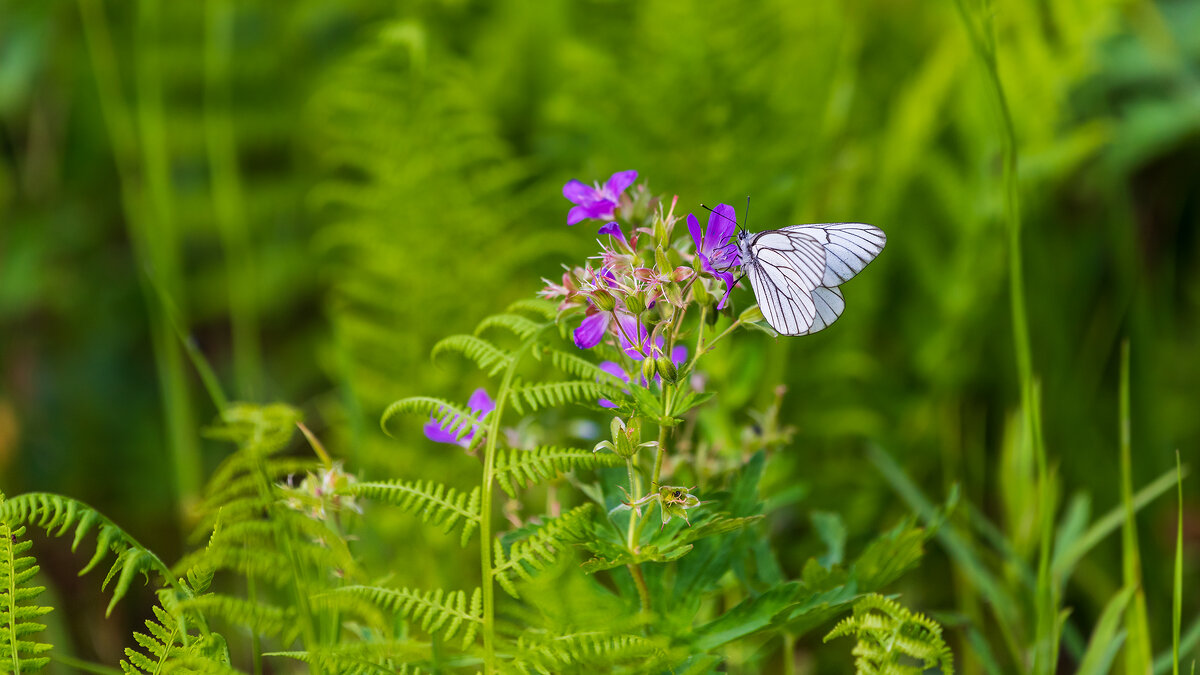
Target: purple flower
[[480, 404], [596, 202], [714, 247], [592, 330], [633, 336], [616, 371]]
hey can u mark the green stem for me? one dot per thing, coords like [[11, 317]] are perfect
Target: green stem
[[485, 513]]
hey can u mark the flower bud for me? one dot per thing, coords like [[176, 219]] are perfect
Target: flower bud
[[660, 258], [604, 300], [636, 303], [667, 369], [752, 314], [648, 369], [674, 294]]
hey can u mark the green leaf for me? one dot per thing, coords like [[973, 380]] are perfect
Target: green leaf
[[1105, 642], [746, 618]]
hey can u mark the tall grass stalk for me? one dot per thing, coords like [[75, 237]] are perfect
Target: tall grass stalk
[[1138, 657], [228, 202], [140, 155], [1177, 596], [1046, 598]]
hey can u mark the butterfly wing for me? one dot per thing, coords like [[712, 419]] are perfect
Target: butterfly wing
[[795, 271], [784, 269], [849, 247]]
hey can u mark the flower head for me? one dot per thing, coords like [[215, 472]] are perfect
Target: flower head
[[480, 405], [597, 202], [714, 247]]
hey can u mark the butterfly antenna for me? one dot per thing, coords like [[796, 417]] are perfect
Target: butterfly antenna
[[719, 214], [746, 218]]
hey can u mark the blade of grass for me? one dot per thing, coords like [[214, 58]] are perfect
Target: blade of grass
[[1177, 599], [1106, 641], [1137, 646], [1001, 602], [1112, 520]]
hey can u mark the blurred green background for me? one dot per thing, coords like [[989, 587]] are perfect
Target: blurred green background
[[316, 191]]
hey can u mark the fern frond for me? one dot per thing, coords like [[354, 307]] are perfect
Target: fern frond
[[266, 429], [442, 411], [539, 549], [170, 648], [51, 512], [490, 358], [891, 638], [439, 613], [588, 651], [517, 468], [580, 367], [555, 394], [18, 612], [262, 619], [520, 326], [433, 502], [353, 659], [540, 306]]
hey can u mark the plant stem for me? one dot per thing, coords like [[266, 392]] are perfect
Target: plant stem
[[485, 513]]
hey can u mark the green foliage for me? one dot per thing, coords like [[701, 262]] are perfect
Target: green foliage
[[437, 612], [433, 502], [534, 552], [889, 634], [517, 468], [442, 411], [56, 514], [537, 652], [20, 650], [531, 397]]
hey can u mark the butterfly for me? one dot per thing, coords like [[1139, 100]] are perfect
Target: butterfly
[[795, 271]]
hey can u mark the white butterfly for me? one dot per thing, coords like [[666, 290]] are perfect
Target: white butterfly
[[795, 271]]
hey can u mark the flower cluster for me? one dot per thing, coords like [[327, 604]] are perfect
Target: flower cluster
[[322, 493], [633, 293]]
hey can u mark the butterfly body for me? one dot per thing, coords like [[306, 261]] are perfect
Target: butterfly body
[[795, 271]]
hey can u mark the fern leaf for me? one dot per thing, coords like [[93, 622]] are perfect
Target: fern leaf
[[262, 619], [442, 411], [539, 549], [520, 326], [518, 468], [539, 306], [490, 358], [580, 367], [892, 638], [555, 394], [356, 658], [51, 511], [433, 502], [438, 613], [591, 651], [18, 612]]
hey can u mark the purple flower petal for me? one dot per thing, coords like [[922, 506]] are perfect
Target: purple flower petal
[[619, 181], [679, 355], [697, 233], [591, 331], [632, 329], [725, 298], [577, 192], [614, 230], [480, 403], [442, 433], [605, 403], [578, 213], [722, 223], [614, 369]]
